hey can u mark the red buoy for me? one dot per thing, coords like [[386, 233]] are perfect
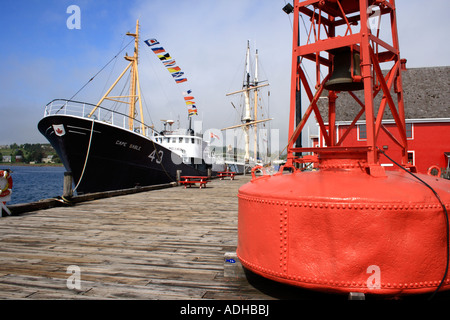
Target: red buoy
[[348, 225], [339, 229]]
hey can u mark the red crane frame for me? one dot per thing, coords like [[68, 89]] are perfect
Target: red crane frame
[[325, 17]]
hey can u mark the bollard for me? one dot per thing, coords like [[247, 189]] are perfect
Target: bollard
[[67, 190], [232, 267], [356, 296], [178, 177], [209, 173]]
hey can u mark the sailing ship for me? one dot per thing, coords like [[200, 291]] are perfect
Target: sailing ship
[[109, 150], [249, 116]]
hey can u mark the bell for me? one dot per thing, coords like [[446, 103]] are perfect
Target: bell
[[341, 79]]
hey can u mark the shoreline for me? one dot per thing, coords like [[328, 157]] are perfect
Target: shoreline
[[20, 164]]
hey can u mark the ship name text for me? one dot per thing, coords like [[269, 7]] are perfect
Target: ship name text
[[131, 146]]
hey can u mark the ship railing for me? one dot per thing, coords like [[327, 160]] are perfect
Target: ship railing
[[84, 110]]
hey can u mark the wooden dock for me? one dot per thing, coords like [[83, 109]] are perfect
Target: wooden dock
[[163, 244]]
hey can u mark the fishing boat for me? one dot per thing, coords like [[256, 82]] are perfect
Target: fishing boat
[[105, 149], [248, 117]]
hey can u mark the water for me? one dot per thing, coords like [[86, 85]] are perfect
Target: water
[[32, 183]]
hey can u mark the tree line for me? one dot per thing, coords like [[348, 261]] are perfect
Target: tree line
[[31, 152]]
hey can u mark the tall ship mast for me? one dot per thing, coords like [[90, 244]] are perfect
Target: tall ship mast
[[105, 149], [250, 119]]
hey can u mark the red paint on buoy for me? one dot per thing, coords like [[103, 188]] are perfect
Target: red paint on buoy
[[330, 229]]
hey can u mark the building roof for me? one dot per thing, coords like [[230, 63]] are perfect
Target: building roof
[[426, 95]]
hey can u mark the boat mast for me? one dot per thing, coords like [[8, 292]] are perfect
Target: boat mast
[[247, 118], [134, 96], [255, 127], [133, 60]]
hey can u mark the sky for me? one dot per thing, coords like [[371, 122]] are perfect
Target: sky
[[41, 59]]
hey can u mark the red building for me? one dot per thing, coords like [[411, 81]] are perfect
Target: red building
[[427, 113]]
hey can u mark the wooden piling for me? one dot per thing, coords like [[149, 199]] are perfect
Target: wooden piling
[[67, 187], [178, 176]]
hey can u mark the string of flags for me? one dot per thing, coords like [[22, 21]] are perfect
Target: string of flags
[[174, 70]]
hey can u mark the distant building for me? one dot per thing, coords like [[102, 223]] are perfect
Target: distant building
[[427, 113], [48, 159], [19, 159], [6, 159]]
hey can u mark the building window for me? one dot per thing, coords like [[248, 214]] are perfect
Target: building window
[[362, 133], [411, 157], [409, 130], [447, 154]]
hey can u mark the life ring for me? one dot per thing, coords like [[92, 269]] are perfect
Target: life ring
[[5, 187], [430, 169]]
